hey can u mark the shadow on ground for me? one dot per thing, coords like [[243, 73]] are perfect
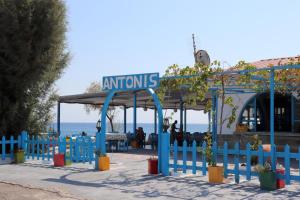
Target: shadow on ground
[[146, 186]]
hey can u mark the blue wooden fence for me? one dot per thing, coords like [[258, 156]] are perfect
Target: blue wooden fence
[[79, 150], [197, 161], [9, 153]]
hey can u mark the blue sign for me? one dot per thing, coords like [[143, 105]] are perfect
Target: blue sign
[[130, 82]]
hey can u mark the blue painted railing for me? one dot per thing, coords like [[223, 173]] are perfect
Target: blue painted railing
[[9, 153], [197, 161], [80, 149]]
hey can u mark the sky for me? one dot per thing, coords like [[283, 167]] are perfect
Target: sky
[[138, 36]]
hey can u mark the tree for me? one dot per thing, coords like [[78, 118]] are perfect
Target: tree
[[195, 84], [112, 112], [32, 57]]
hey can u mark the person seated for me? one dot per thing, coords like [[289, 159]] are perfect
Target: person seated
[[179, 137], [140, 137]]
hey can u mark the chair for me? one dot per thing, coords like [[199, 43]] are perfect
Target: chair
[[152, 140]]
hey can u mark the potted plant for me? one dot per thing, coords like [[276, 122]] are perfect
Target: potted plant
[[215, 173], [254, 147], [103, 161], [19, 156], [68, 159], [152, 165], [267, 177]]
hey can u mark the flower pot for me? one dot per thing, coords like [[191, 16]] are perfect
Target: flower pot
[[19, 156], [266, 147], [280, 183], [68, 159], [215, 174], [103, 162], [152, 166], [267, 180], [134, 144], [59, 160], [241, 128]]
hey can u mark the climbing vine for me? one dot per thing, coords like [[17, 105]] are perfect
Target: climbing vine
[[193, 84]]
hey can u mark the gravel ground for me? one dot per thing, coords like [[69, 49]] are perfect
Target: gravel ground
[[12, 191]]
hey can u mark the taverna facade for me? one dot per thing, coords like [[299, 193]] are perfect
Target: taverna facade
[[253, 111]]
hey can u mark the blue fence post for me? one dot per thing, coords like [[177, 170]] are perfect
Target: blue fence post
[[273, 157], [260, 155], [77, 151], [175, 155], [48, 148], [215, 152], [53, 147], [32, 147], [236, 162], [165, 153], [59, 145], [20, 142], [204, 158], [38, 147], [65, 146], [11, 147], [184, 155], [83, 153], [71, 149], [3, 148], [24, 138], [248, 161], [194, 152], [90, 151], [225, 159], [43, 148], [28, 147], [24, 143], [287, 164]]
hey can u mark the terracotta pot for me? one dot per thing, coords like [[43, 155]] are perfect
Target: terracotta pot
[[215, 174], [134, 144], [266, 147], [59, 160], [104, 163], [152, 166], [280, 182]]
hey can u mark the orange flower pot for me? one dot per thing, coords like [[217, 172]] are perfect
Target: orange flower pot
[[103, 162], [266, 147], [134, 144], [215, 174]]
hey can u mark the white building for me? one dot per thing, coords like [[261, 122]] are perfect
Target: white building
[[253, 109]]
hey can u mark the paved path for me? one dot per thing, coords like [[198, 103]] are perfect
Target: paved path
[[128, 179]]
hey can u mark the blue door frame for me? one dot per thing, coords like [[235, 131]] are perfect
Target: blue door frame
[[100, 137]]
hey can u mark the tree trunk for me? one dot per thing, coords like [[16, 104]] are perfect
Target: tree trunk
[[222, 105], [111, 123]]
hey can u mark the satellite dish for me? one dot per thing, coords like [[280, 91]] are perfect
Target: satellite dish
[[202, 57]]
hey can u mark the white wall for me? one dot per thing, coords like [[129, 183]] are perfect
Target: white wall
[[239, 100]]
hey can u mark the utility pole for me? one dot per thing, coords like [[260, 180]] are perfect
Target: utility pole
[[194, 46]]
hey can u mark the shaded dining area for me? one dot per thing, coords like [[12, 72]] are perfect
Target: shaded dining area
[[138, 136]]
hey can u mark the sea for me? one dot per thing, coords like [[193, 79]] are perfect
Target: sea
[[75, 128]]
